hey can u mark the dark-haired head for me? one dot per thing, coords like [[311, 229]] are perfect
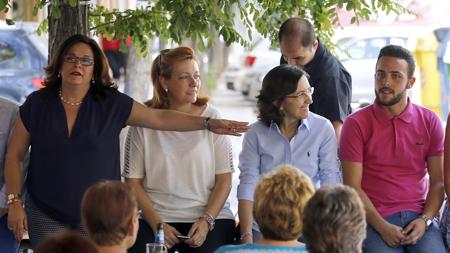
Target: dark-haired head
[[67, 242], [401, 53], [276, 85], [299, 29], [101, 78]]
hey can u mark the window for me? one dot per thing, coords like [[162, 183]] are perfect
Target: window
[[6, 51]]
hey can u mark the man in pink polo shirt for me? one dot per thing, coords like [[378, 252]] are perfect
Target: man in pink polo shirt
[[392, 154]]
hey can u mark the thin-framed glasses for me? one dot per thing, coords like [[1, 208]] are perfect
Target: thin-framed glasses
[[85, 61], [303, 94]]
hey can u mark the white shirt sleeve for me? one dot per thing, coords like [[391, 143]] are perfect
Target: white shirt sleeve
[[134, 166], [223, 154]]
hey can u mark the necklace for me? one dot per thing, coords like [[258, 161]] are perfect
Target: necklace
[[68, 102]]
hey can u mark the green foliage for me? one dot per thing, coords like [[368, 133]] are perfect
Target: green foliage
[[204, 20]]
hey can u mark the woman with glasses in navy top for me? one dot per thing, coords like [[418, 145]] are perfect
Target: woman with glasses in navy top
[[286, 133], [72, 126]]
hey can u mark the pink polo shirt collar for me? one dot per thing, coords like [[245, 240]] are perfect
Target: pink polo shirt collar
[[406, 116]]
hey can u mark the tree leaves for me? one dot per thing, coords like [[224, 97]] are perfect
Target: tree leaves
[[176, 20]]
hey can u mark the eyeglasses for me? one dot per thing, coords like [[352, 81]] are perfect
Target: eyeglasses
[[85, 61], [303, 94], [395, 76]]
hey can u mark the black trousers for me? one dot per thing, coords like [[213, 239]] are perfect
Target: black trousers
[[223, 233]]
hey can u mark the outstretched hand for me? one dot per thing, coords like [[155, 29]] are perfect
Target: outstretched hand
[[228, 127]]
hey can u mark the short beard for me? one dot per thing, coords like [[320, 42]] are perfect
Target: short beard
[[395, 100]]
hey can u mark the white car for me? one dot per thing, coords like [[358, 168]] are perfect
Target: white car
[[236, 75], [360, 61], [265, 57]]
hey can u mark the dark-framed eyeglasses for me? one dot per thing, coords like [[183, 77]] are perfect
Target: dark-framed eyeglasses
[[85, 61], [303, 94]]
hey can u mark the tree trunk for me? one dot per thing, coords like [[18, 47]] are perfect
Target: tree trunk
[[138, 82], [73, 20]]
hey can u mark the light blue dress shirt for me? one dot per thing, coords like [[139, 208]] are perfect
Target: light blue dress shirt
[[8, 112], [313, 150], [256, 248]]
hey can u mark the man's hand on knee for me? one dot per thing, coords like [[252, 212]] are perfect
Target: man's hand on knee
[[414, 231], [392, 235]]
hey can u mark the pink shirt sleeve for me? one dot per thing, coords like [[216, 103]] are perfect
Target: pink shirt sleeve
[[351, 144], [436, 137]]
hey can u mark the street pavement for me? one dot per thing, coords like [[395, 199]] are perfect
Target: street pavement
[[232, 105]]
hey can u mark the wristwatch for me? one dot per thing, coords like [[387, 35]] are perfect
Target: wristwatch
[[206, 124], [208, 219], [427, 220]]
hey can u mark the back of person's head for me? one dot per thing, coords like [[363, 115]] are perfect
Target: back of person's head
[[66, 242], [163, 66], [108, 209], [279, 82], [297, 28], [334, 221], [401, 53], [280, 197]]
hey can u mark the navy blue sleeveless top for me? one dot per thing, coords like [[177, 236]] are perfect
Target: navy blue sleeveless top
[[61, 167]]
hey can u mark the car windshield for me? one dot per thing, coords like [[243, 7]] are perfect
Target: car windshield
[[21, 50]]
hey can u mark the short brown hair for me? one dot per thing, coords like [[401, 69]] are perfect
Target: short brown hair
[[280, 197], [66, 242], [163, 66], [297, 28], [334, 221], [107, 209]]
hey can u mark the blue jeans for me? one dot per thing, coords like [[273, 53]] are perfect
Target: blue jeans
[[8, 242], [430, 242]]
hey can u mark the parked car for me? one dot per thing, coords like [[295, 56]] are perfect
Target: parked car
[[359, 57], [236, 75], [358, 54], [23, 56]]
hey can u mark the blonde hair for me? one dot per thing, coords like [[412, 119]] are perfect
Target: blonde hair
[[280, 197], [334, 221], [163, 66], [107, 209]]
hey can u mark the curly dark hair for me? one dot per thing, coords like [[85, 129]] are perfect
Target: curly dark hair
[[102, 84], [276, 85]]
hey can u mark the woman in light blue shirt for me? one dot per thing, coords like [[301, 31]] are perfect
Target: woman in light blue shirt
[[286, 133]]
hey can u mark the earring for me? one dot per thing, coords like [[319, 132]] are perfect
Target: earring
[[59, 74], [93, 81], [166, 90]]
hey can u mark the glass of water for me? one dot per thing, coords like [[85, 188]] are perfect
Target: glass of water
[[155, 248]]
